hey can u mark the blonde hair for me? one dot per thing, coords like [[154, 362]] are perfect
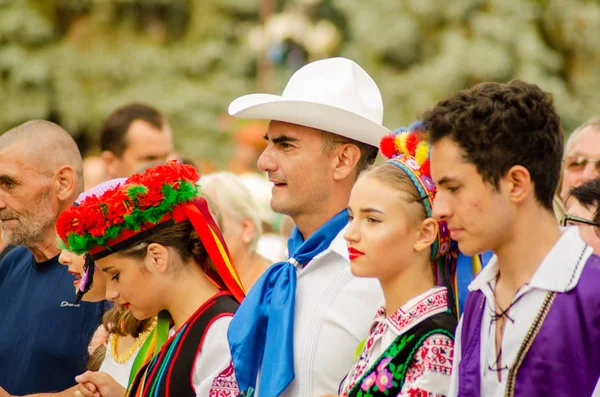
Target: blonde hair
[[394, 177], [226, 194]]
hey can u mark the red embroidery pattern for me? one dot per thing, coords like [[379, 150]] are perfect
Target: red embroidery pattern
[[412, 392], [435, 355], [225, 384], [436, 302]]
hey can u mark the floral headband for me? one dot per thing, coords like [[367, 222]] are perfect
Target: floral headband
[[128, 213], [408, 149]]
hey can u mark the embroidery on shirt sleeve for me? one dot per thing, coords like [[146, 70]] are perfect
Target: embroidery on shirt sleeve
[[433, 357], [225, 384], [416, 392]]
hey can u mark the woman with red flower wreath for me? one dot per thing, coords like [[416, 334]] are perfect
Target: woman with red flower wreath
[[162, 254], [393, 237]]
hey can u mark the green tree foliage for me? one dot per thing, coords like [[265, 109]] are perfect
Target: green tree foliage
[[73, 61]]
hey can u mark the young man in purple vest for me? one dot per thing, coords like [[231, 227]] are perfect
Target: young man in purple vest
[[531, 324]]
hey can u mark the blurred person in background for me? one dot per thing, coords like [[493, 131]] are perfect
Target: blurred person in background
[[44, 334], [582, 157], [583, 210], [133, 135], [272, 243], [238, 217]]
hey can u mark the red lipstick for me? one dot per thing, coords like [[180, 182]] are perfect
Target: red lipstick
[[354, 253]]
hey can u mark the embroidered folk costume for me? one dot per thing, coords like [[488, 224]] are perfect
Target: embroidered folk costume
[[195, 359], [409, 352]]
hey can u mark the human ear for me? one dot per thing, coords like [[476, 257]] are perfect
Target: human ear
[[66, 182], [426, 235], [345, 158], [248, 231], [157, 258], [518, 182]]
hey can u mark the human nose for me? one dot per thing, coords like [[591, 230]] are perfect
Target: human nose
[[64, 258], [352, 234], [441, 209], [265, 161], [111, 293]]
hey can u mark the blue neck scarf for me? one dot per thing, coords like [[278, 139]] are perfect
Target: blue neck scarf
[[262, 330]]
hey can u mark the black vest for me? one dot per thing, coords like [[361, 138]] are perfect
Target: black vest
[[174, 363], [402, 352]]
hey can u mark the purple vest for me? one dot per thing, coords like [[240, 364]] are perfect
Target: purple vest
[[561, 353]]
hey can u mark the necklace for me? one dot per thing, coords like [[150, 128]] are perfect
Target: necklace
[[137, 343]]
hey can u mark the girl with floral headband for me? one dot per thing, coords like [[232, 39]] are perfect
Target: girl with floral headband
[[162, 254], [393, 237]]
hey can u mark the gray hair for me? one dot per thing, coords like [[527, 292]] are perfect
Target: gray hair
[[227, 191], [48, 145], [593, 122]]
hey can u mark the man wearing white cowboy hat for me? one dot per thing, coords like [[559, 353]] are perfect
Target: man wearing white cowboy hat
[[303, 320]]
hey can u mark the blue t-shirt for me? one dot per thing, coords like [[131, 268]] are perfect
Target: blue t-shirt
[[43, 336]]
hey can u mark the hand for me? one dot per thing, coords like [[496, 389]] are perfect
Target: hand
[[98, 384], [4, 393]]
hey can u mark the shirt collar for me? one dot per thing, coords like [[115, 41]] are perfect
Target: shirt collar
[[559, 271], [338, 246], [414, 311]]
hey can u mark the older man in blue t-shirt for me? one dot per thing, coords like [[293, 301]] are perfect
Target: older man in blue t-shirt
[[43, 335]]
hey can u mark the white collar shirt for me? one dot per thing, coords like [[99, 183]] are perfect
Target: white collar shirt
[[559, 272], [333, 312]]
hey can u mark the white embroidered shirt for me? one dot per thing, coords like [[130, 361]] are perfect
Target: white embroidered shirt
[[429, 372]]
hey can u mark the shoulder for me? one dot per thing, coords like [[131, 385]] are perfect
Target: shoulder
[[15, 261], [213, 369], [588, 281], [18, 254], [431, 366]]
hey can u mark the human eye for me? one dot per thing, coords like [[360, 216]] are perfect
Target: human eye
[[576, 162], [350, 217], [7, 183], [372, 219], [453, 189], [115, 277]]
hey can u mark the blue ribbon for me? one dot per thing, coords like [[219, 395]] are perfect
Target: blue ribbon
[[261, 334]]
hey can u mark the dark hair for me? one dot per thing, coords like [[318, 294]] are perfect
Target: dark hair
[[113, 136], [182, 237], [368, 153], [499, 126], [588, 195]]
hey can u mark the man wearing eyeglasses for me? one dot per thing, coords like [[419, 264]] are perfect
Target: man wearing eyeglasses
[[584, 211], [582, 160]]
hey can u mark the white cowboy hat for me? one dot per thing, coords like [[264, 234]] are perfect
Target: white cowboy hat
[[334, 95]]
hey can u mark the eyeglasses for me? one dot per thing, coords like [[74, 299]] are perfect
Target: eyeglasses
[[578, 163], [569, 220]]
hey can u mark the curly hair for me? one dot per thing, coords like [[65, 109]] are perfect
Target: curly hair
[[498, 126]]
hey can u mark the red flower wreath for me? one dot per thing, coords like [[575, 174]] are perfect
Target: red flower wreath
[[142, 201]]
